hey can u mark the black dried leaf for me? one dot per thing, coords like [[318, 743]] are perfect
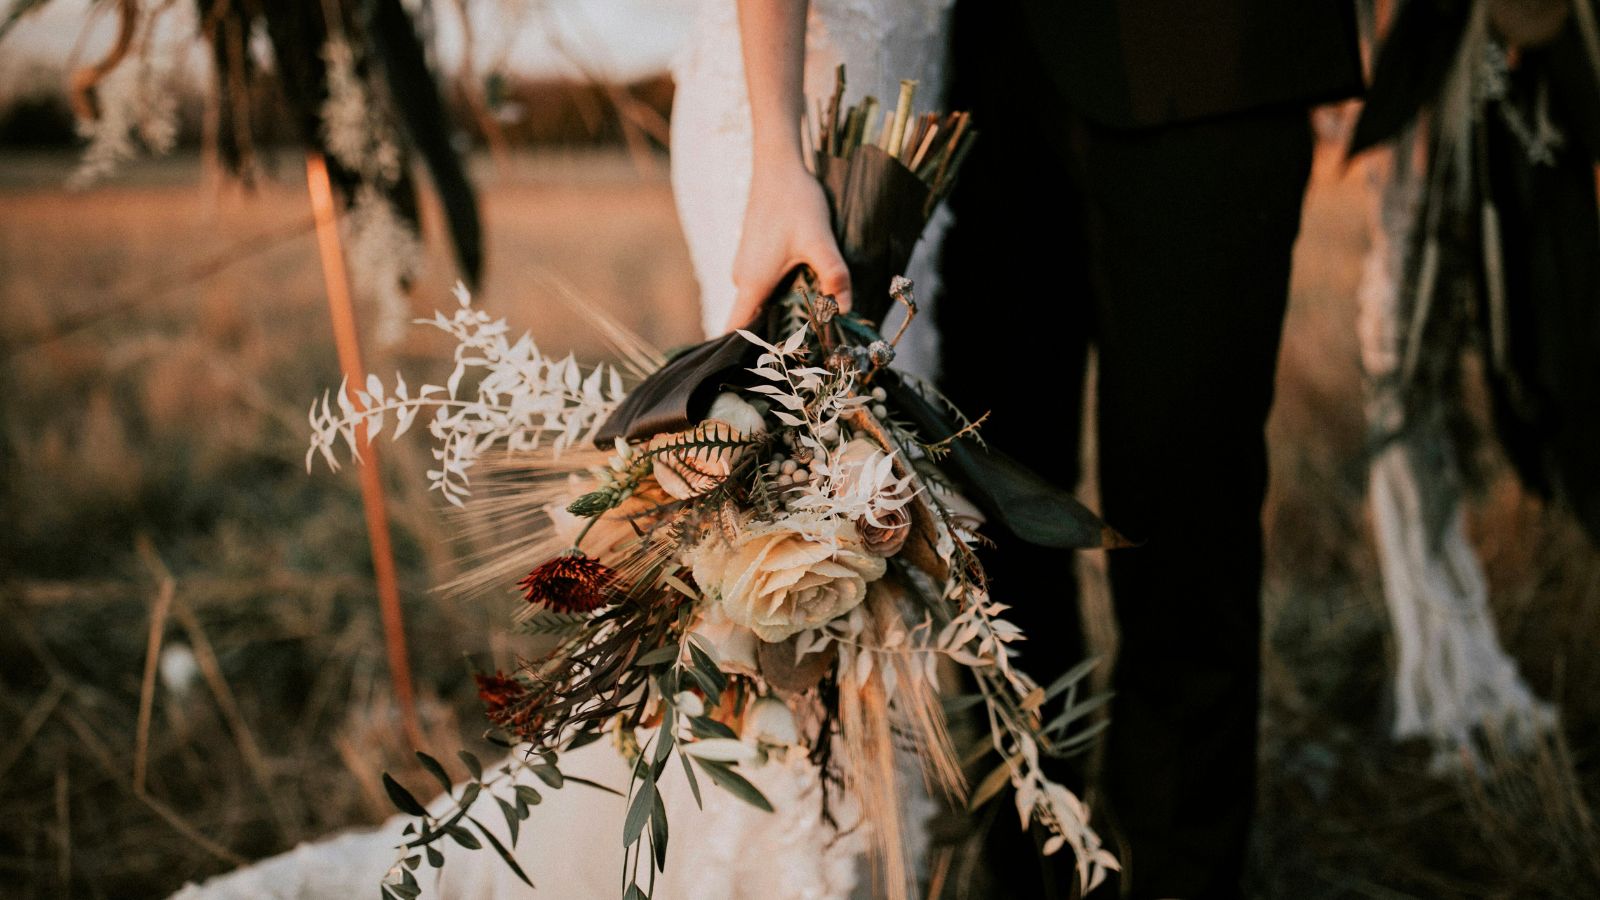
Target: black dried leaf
[[402, 798]]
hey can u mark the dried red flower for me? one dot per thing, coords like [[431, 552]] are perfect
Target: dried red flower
[[509, 703], [498, 692], [570, 583]]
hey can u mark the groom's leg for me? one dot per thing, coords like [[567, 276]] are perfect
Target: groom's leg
[[1192, 228]]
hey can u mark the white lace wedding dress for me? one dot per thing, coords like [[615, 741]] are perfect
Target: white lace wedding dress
[[571, 847]]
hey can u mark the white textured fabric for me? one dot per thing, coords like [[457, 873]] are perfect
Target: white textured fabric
[[880, 42], [1451, 674], [571, 846]]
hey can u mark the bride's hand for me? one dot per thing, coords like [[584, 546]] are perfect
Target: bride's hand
[[786, 223]]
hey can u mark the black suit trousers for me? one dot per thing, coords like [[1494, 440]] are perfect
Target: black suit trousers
[[1167, 251]]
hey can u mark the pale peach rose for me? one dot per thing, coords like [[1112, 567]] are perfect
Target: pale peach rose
[[778, 580], [733, 645]]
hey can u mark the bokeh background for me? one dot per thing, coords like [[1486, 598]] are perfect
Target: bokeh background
[[163, 332]]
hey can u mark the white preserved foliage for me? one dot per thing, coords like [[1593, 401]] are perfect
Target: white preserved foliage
[[523, 400], [811, 401], [355, 129], [384, 255], [137, 102]]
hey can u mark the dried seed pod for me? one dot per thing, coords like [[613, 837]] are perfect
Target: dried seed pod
[[880, 353], [841, 360], [825, 309], [900, 289]]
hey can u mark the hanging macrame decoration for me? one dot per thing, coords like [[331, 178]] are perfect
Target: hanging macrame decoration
[[352, 81], [1484, 238]]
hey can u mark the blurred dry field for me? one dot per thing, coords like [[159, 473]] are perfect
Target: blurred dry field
[[161, 341]]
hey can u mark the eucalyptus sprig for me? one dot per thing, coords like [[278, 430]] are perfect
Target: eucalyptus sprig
[[457, 822]]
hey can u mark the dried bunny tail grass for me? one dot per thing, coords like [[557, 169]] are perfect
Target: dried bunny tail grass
[[638, 357], [867, 757], [506, 521], [922, 715]]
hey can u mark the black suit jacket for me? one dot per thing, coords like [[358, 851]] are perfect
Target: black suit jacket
[[1137, 63]]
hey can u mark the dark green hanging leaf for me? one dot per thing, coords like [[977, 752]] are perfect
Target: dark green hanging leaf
[[707, 727], [664, 742], [694, 785], [1071, 677], [435, 858], [463, 837], [658, 831], [402, 798], [433, 766], [550, 775], [656, 657], [704, 664], [594, 784], [505, 854], [1081, 741], [961, 703], [469, 794], [513, 818], [583, 738], [528, 795], [1075, 712], [638, 812], [726, 778], [470, 760]]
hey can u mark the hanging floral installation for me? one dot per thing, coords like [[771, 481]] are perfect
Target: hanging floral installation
[[1485, 229], [351, 78]]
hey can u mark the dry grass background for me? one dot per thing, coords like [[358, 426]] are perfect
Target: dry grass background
[[161, 341]]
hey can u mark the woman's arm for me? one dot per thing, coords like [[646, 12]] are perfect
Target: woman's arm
[[786, 219]]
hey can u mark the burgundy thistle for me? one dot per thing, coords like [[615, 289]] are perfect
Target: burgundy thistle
[[499, 693], [508, 703], [571, 583]]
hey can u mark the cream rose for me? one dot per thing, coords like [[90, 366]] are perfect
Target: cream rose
[[778, 579]]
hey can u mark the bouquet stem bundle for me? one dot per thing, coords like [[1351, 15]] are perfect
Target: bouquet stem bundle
[[931, 145]]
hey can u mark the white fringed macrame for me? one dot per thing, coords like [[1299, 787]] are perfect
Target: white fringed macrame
[[1452, 676]]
